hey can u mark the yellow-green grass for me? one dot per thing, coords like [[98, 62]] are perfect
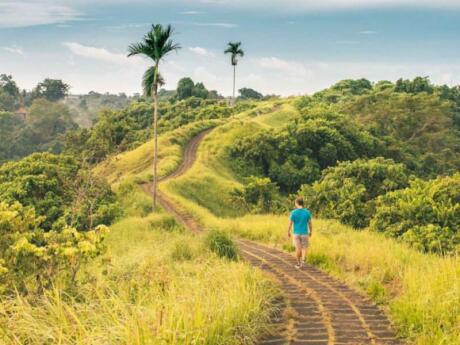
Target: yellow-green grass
[[137, 164], [421, 292], [156, 285], [279, 115]]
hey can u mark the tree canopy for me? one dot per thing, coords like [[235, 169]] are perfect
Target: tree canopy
[[52, 89], [248, 93]]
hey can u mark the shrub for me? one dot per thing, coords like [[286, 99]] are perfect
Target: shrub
[[348, 192], [258, 195], [220, 243], [426, 214], [182, 251], [58, 188], [32, 259]]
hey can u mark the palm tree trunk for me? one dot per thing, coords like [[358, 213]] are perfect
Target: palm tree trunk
[[155, 138], [234, 83]]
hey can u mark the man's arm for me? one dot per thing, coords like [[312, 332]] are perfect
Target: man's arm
[[310, 226], [289, 228]]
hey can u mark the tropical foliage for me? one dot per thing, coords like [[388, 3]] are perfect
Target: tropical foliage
[[32, 259], [235, 51], [41, 130], [186, 88], [348, 191], [120, 130], [426, 214], [258, 195], [59, 190], [296, 154]]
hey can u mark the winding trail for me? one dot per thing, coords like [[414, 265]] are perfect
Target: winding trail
[[316, 309]]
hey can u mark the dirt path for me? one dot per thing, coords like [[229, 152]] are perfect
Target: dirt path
[[316, 309]]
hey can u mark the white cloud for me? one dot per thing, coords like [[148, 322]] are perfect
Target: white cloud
[[201, 51], [31, 13], [368, 32], [292, 68], [100, 54], [201, 74], [128, 26], [14, 50], [191, 13]]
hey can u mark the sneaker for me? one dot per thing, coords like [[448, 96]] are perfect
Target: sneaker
[[298, 265]]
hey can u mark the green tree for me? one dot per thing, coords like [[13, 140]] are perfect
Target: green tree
[[296, 154], [426, 214], [248, 93], [156, 45], [185, 88], [417, 85], [10, 127], [418, 128], [52, 89], [257, 195], [10, 97], [348, 191], [200, 91], [7, 102], [46, 120], [234, 49], [58, 189], [8, 85]]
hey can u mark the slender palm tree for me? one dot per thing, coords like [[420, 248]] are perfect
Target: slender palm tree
[[155, 45], [234, 48]]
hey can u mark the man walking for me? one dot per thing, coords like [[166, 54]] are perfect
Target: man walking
[[301, 218]]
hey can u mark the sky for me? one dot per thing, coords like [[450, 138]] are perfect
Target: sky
[[291, 47]]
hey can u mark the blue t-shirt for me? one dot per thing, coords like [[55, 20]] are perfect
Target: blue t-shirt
[[301, 217]]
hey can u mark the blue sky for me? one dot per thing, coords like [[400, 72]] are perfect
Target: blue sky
[[292, 46]]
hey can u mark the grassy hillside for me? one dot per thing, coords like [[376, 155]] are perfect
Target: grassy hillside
[[137, 164], [421, 292], [160, 284], [157, 284]]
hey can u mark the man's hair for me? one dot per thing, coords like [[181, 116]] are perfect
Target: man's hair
[[299, 201]]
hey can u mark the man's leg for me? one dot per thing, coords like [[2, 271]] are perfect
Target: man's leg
[[298, 248], [304, 244], [298, 253], [304, 254]]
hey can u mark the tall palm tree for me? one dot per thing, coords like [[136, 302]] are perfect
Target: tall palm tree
[[234, 48], [155, 45]]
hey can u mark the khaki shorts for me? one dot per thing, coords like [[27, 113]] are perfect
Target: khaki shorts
[[301, 241]]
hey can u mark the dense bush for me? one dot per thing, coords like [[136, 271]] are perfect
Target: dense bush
[[59, 190], [348, 191], [426, 214], [220, 243], [417, 128], [296, 154], [417, 121], [258, 195], [32, 259]]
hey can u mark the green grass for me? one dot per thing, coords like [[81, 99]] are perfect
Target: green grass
[[156, 285], [420, 292], [137, 164]]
